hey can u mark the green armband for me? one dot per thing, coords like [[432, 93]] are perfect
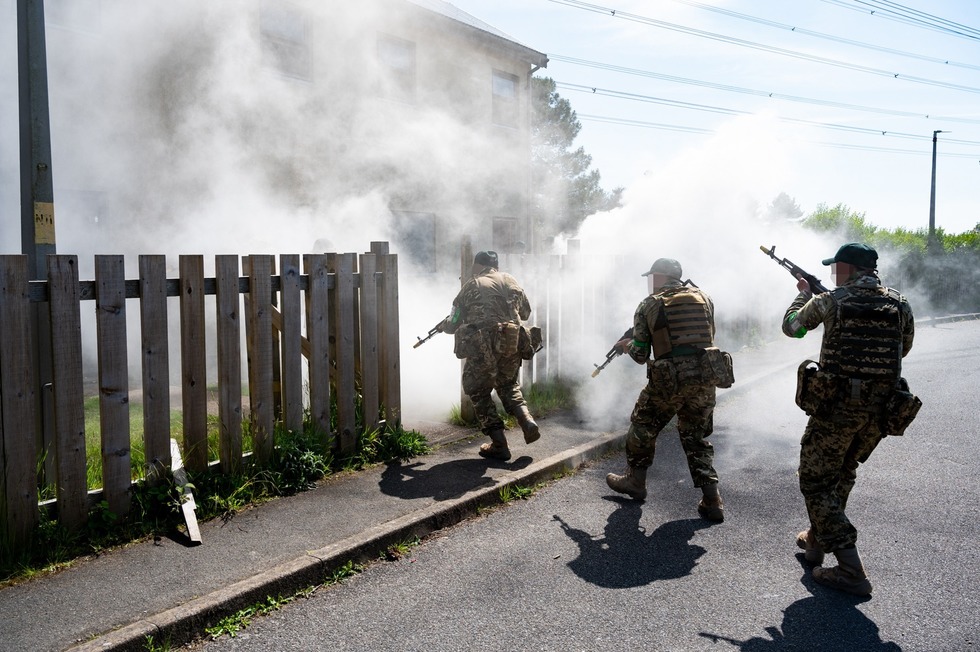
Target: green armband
[[639, 345], [794, 326]]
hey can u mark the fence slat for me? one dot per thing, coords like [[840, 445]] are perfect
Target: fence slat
[[69, 396], [390, 351], [259, 338], [317, 324], [156, 361], [343, 322], [369, 342], [110, 321], [193, 361], [292, 331], [18, 442], [229, 333]]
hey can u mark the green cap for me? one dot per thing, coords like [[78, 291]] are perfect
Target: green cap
[[857, 254], [665, 266]]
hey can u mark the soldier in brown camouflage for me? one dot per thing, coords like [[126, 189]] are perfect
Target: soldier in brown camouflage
[[673, 328], [486, 320], [868, 329]]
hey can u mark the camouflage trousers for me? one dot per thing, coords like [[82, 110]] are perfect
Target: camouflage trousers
[[658, 403], [830, 452], [486, 371]]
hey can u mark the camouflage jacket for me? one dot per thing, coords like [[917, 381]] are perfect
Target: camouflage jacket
[[488, 298], [824, 308]]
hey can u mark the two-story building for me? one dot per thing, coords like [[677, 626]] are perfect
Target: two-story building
[[293, 124]]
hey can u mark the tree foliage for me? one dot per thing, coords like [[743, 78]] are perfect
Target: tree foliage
[[946, 271], [565, 189]]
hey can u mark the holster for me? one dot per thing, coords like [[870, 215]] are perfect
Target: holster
[[817, 392], [899, 410], [717, 368], [509, 337]]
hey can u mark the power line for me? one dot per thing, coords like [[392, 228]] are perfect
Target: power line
[[697, 130], [902, 14], [734, 112], [829, 37], [749, 91], [578, 4]]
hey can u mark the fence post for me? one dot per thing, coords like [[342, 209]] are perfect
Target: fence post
[[69, 394], [369, 342], [317, 325], [229, 343], [259, 338], [343, 331], [389, 341], [291, 338], [155, 361], [110, 313], [466, 411], [18, 423], [193, 362]]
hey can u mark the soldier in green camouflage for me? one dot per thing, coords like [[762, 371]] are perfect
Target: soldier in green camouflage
[[672, 329], [486, 320], [868, 329]]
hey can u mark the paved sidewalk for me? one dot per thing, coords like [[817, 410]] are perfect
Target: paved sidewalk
[[170, 591]]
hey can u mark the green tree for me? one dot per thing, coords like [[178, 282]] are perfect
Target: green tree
[[565, 189], [783, 209]]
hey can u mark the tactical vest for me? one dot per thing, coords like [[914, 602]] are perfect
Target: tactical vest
[[868, 342], [687, 322]]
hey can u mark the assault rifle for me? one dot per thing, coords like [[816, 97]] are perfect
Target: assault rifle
[[798, 272], [435, 330], [613, 353]]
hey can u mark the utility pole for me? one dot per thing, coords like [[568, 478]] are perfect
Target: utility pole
[[36, 195], [932, 244]]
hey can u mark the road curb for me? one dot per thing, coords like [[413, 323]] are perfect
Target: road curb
[[180, 625]]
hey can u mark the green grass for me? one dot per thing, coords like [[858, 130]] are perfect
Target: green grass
[[543, 398], [298, 462]]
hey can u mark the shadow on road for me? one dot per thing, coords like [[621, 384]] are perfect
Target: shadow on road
[[828, 621], [443, 481], [626, 556]]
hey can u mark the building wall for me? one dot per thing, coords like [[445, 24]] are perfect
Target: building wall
[[190, 127]]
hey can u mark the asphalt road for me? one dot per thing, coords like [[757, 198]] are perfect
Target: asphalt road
[[576, 567]]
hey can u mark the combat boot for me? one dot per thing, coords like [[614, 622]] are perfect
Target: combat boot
[[811, 551], [633, 483], [528, 425], [848, 575], [497, 449], [711, 506]]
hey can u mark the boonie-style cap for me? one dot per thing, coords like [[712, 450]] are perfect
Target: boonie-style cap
[[855, 253], [665, 266], [486, 258]]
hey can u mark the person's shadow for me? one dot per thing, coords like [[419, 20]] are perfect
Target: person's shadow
[[626, 556], [828, 621], [443, 481]]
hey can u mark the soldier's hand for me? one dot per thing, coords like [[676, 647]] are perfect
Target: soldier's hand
[[622, 345], [803, 286]]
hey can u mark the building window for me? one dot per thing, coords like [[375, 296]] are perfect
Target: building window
[[504, 99], [397, 68], [284, 31], [415, 234], [506, 238]]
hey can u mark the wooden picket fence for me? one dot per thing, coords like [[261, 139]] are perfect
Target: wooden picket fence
[[330, 328]]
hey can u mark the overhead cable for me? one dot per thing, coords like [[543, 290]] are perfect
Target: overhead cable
[[578, 4], [749, 91]]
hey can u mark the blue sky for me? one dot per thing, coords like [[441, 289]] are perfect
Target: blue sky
[[680, 83]]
